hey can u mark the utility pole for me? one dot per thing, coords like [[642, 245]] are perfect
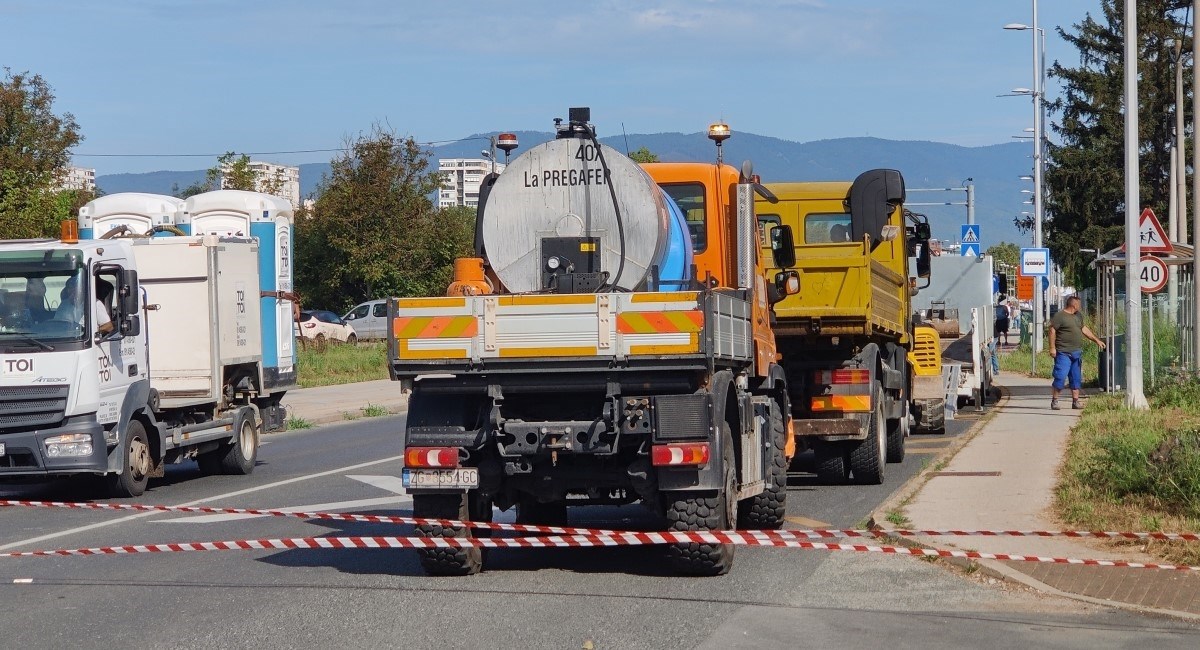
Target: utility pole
[[1134, 396], [1195, 193], [1039, 322]]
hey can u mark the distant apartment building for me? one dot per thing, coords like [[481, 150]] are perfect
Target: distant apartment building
[[283, 179], [461, 178], [79, 178]]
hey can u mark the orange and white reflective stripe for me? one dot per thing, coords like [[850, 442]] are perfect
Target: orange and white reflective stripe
[[430, 327], [660, 322]]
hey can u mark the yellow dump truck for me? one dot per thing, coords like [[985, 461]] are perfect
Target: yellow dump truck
[[845, 338]]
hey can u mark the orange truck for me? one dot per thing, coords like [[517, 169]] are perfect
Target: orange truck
[[610, 344]]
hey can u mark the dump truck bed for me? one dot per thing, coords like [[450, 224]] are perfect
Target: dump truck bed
[[497, 333], [843, 292]]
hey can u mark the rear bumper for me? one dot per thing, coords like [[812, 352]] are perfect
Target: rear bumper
[[25, 453], [831, 429]]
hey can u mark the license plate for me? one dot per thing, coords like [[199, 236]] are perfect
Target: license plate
[[463, 477]]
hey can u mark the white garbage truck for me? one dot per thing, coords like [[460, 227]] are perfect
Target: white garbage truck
[[118, 356]]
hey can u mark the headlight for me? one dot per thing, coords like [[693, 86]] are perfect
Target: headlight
[[70, 444]]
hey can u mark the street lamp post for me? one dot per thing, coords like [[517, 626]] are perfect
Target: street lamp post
[[1038, 95]]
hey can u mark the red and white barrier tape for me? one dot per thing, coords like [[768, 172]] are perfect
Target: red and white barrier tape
[[564, 530], [575, 541]]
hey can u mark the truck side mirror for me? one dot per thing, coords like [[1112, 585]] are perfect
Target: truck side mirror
[[783, 247], [787, 283], [128, 295], [924, 261]]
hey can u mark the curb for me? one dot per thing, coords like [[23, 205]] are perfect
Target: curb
[[994, 568]]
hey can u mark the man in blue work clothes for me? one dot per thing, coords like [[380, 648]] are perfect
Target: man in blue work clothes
[[1067, 333]]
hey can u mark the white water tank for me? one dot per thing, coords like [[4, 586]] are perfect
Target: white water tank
[[560, 189]]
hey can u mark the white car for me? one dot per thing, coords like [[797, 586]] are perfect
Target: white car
[[320, 325], [369, 319]]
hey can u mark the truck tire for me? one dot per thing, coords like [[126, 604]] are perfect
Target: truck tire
[[832, 463], [447, 561], [136, 463], [867, 456], [688, 513], [897, 431], [237, 457], [766, 511]]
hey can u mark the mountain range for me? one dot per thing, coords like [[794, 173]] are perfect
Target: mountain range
[[995, 170]]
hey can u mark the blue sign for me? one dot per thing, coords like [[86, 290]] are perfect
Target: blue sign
[[970, 233], [969, 250], [1035, 261]]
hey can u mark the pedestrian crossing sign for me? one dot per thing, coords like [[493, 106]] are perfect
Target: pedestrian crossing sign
[[970, 233]]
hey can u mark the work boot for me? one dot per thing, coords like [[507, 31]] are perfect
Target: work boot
[[1054, 404], [1077, 404]]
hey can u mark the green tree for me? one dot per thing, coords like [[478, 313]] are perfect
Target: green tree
[[232, 172], [644, 155], [1085, 172], [35, 151], [1006, 253], [374, 231]]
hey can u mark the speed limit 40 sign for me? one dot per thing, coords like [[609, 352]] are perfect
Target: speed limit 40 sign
[[1153, 274]]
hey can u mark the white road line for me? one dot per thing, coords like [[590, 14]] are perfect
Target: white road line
[[336, 506], [141, 515], [391, 484]]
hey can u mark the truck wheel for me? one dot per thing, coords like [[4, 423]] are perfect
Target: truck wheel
[[688, 513], [533, 513], [447, 561], [897, 431], [766, 510], [237, 457], [137, 465], [833, 463], [240, 455], [867, 456]]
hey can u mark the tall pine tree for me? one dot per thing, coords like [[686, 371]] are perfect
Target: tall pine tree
[[1085, 172]]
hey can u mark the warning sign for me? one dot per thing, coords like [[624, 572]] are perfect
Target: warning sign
[[1151, 236]]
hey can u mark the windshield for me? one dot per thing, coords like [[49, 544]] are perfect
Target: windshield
[[41, 298]]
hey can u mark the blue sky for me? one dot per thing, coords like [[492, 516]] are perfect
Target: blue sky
[[192, 76]]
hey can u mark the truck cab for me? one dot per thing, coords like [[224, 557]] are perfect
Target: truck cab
[[73, 358]]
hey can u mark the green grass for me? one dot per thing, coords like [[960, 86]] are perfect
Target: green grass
[[1137, 470], [329, 364], [295, 423], [375, 410], [898, 518]]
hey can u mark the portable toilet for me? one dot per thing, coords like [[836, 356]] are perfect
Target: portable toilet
[[137, 210], [270, 220]]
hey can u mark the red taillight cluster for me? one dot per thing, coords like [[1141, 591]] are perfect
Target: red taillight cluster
[[677, 454], [431, 457], [842, 376]]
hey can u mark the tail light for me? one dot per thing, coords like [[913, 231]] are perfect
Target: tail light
[[680, 454], [431, 457], [842, 376]]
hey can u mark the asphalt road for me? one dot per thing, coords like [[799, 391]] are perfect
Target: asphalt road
[[557, 598]]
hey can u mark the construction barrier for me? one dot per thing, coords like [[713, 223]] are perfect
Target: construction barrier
[[580, 537]]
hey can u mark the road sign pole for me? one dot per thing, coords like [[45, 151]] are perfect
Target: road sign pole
[[1134, 395], [1150, 326]]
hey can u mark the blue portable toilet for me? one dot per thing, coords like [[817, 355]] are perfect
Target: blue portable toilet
[[138, 211], [270, 220]]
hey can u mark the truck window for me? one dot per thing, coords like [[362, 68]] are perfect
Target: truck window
[[360, 311], [765, 223], [32, 289], [690, 199], [827, 228], [380, 310]]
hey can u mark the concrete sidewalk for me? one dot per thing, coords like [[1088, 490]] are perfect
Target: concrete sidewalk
[[326, 404], [1004, 479]]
